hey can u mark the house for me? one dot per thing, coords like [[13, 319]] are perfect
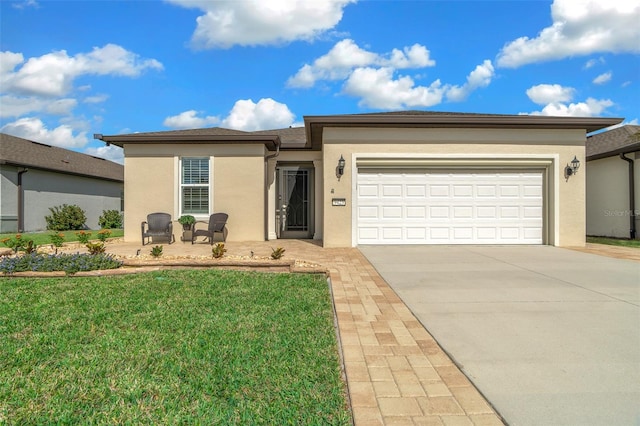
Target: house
[[36, 176], [613, 183], [409, 177]]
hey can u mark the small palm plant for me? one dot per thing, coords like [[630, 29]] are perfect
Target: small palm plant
[[277, 253], [156, 251], [218, 250]]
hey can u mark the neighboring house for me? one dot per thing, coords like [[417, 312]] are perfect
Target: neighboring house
[[35, 177], [407, 178], [613, 183]]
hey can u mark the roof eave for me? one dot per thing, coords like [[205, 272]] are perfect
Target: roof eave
[[625, 150], [270, 141], [316, 124]]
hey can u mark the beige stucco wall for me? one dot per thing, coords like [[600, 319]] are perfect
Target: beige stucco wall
[[566, 198], [237, 183], [608, 212]]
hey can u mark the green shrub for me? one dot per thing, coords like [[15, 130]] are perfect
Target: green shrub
[[19, 243], [83, 236], [110, 219], [65, 217], [57, 239], [95, 248], [103, 234], [70, 263]]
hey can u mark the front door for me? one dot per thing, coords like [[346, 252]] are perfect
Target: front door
[[294, 205]]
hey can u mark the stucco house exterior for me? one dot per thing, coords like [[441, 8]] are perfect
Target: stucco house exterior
[[613, 183], [410, 177], [36, 176]]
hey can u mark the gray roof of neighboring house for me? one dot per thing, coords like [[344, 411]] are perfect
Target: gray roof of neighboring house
[[206, 131], [29, 154], [617, 141]]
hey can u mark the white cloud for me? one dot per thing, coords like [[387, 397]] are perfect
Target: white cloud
[[111, 152], [590, 108], [603, 78], [34, 129], [480, 77], [543, 94], [372, 76], [25, 4], [378, 89], [96, 99], [580, 27], [346, 56], [189, 120], [259, 22], [264, 115], [416, 56], [593, 62], [13, 106], [53, 74]]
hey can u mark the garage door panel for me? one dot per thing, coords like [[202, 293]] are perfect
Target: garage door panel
[[392, 191], [450, 208], [416, 212], [368, 191], [419, 191], [392, 212], [439, 190]]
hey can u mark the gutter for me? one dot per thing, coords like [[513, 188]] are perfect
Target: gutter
[[21, 201], [632, 198]]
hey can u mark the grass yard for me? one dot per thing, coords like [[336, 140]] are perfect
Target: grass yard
[[198, 347], [614, 241]]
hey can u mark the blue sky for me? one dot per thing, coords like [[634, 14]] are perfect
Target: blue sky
[[69, 69]]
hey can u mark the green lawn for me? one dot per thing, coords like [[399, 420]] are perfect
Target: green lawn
[[614, 241], [41, 238], [197, 347]]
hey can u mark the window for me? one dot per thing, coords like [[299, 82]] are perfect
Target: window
[[194, 186]]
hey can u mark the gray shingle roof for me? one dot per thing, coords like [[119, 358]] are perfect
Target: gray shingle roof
[[25, 153], [288, 136], [622, 139]]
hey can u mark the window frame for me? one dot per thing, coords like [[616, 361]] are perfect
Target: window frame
[[182, 186]]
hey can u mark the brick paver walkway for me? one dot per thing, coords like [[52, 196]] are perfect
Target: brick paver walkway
[[396, 372]]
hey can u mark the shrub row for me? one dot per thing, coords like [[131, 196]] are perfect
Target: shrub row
[[72, 217], [69, 263]]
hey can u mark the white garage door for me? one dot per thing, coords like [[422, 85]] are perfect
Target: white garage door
[[449, 207]]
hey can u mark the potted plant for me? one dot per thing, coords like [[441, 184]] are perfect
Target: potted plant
[[187, 221]]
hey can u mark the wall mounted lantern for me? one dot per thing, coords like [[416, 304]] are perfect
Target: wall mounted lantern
[[340, 168], [572, 168]]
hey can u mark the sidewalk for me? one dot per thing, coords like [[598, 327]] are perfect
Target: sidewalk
[[396, 372]]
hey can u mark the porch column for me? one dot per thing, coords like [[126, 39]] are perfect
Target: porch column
[[271, 199], [318, 197]]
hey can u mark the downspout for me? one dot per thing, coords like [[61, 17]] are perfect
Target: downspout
[[21, 201], [266, 189], [632, 198]]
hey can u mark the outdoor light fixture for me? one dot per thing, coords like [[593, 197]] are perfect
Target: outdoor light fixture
[[572, 168], [340, 169]]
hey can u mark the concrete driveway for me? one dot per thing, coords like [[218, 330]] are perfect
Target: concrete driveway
[[550, 336]]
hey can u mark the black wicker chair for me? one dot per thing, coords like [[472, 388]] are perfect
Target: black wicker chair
[[158, 226], [216, 225]]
